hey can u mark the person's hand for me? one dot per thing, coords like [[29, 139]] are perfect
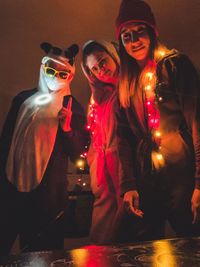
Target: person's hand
[[131, 200], [195, 205], [65, 115]]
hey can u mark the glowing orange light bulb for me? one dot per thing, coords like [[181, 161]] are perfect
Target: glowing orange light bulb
[[157, 134], [80, 163], [149, 75], [159, 156], [161, 52], [148, 87]]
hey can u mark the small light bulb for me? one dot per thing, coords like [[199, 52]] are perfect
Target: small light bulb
[[92, 101], [157, 134], [80, 163], [162, 53], [148, 87], [148, 103], [149, 75], [159, 156]]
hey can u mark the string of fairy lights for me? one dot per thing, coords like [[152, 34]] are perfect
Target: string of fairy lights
[[153, 117], [82, 161], [151, 105]]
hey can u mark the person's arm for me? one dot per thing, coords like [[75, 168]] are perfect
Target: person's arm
[[127, 156], [9, 125], [7, 133], [76, 137], [187, 83]]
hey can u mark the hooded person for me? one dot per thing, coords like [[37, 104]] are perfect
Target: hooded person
[[100, 64], [160, 99], [44, 127]]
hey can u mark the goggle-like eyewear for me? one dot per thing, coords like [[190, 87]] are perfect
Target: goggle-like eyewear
[[52, 72]]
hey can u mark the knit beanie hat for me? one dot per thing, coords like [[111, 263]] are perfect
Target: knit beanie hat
[[134, 11]]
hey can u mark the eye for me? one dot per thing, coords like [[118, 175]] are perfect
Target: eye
[[94, 69], [126, 37], [102, 62], [63, 74], [141, 30]]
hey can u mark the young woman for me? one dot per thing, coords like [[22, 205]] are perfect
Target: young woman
[[101, 67], [44, 127], [159, 93]]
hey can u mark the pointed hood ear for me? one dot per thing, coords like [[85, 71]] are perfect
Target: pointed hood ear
[[71, 52], [73, 49], [68, 53], [46, 47]]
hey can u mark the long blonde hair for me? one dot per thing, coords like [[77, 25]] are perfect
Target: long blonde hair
[[131, 77]]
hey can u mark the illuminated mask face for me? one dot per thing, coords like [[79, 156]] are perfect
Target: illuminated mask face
[[55, 84], [58, 74], [102, 66]]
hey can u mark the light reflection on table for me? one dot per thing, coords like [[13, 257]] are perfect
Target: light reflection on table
[[165, 253]]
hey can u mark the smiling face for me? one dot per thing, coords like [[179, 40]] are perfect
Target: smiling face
[[102, 66], [136, 41]]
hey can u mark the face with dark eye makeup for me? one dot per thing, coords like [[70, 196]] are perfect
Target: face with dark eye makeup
[[136, 41]]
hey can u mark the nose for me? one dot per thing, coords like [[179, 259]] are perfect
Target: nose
[[134, 37], [101, 70]]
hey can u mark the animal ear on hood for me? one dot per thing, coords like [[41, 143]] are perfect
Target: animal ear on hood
[[46, 47], [69, 52]]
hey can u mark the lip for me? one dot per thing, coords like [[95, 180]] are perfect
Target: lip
[[138, 48]]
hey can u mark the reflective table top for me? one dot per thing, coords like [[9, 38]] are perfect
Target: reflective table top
[[178, 252]]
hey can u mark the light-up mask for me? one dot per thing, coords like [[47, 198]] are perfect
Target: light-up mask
[[56, 72]]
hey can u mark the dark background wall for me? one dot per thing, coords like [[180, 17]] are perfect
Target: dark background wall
[[26, 23]]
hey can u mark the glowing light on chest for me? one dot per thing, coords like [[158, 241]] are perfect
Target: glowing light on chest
[[91, 120], [153, 117], [90, 127], [91, 116], [43, 99]]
